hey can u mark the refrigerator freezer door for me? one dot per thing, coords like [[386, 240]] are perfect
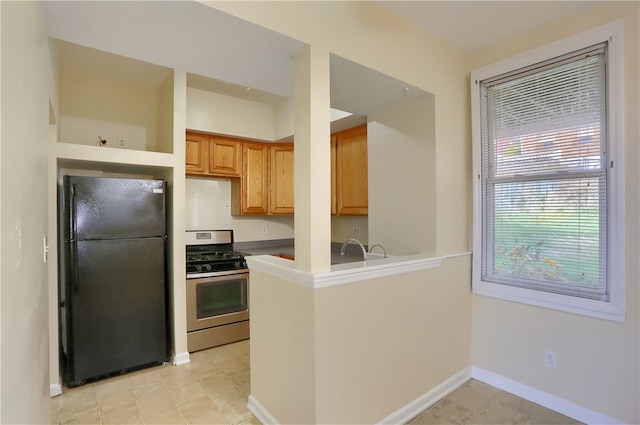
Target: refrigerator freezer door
[[107, 208], [118, 317]]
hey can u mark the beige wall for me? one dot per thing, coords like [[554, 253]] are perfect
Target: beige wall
[[217, 113], [87, 96], [382, 343], [354, 337], [165, 115], [423, 61], [498, 342], [26, 76], [402, 178], [283, 348], [598, 366]]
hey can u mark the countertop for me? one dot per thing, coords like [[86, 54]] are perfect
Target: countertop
[[286, 248]]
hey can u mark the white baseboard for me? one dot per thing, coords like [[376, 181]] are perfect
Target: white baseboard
[[260, 412], [420, 404], [542, 398], [400, 416], [55, 389], [181, 358]]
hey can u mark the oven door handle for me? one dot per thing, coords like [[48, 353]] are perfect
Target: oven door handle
[[202, 275]]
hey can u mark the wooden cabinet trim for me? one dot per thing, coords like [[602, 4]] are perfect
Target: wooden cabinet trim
[[211, 155], [351, 172], [196, 153], [253, 191], [225, 156], [281, 179]]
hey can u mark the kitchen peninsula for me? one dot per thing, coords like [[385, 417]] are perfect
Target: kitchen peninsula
[[317, 337]]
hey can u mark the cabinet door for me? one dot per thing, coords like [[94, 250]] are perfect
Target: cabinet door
[[281, 179], [334, 210], [352, 184], [196, 154], [225, 156], [253, 193]]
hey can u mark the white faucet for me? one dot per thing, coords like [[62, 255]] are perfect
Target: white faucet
[[344, 246], [383, 250]]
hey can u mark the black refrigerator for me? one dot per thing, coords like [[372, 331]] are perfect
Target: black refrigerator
[[113, 311]]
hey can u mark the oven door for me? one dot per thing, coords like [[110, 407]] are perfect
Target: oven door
[[217, 300]]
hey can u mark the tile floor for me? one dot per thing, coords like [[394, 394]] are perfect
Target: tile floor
[[214, 387], [478, 403]]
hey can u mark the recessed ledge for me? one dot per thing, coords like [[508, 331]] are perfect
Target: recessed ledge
[[342, 274]]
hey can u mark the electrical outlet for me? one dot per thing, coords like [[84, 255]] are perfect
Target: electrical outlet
[[550, 359], [264, 229], [356, 231], [121, 141]]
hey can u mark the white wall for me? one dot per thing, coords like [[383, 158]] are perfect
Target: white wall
[[283, 120], [402, 178], [207, 206], [26, 75], [165, 118], [217, 113], [597, 360], [126, 110]]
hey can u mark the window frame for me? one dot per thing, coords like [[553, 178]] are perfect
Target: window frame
[[614, 307]]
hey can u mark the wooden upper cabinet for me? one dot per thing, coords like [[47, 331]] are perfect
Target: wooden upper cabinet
[[252, 196], [196, 153], [208, 155], [351, 172], [225, 156], [281, 179], [264, 171]]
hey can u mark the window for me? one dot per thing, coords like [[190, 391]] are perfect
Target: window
[[548, 205]]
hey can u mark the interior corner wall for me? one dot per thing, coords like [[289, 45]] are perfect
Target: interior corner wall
[[283, 375], [26, 74], [134, 119], [402, 207], [164, 141], [598, 364]]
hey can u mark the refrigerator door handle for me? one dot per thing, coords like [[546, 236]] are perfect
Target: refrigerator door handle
[[73, 227], [75, 284]]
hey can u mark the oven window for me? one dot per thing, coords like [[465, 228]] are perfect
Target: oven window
[[221, 297]]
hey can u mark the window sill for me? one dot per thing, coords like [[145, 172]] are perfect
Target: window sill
[[608, 310]]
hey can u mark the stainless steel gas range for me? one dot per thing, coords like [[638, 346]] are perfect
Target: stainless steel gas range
[[217, 290]]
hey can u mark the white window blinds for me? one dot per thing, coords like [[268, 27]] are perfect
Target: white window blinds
[[544, 176]]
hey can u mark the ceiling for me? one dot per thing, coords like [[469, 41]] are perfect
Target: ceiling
[[227, 55], [182, 35], [474, 25]]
